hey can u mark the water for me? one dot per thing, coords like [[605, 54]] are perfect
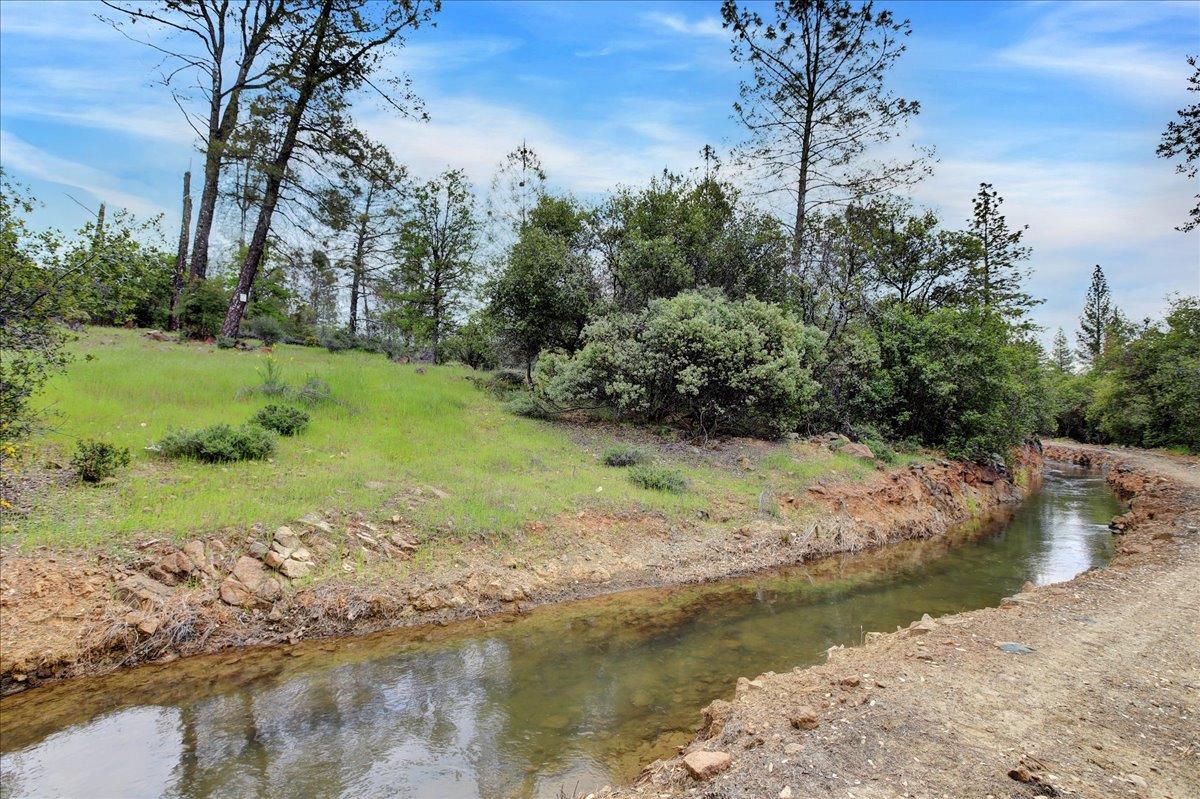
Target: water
[[575, 696]]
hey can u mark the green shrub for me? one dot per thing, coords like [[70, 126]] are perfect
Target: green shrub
[[710, 364], [500, 383], [219, 443], [283, 419], [622, 455], [202, 309], [657, 478], [879, 446], [226, 342], [338, 340], [95, 460], [266, 329], [529, 406]]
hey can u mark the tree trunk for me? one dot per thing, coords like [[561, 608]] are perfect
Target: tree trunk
[[359, 256], [275, 176], [182, 255], [213, 155]]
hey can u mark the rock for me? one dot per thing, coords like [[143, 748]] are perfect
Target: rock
[[316, 522], [786, 792], [145, 623], [804, 718], [925, 625], [257, 549], [705, 765], [249, 584], [1014, 648], [302, 554], [142, 590], [858, 451], [274, 559], [745, 464], [430, 600], [295, 569], [157, 335], [287, 539], [850, 682], [374, 485], [715, 716], [194, 550]]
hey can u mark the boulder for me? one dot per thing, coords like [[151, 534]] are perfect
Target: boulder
[[295, 569], [804, 718], [194, 550], [858, 451], [274, 559], [249, 584], [258, 549], [705, 765], [140, 590], [286, 539]]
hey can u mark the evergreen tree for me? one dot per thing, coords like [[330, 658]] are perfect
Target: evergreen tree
[[1061, 356], [1181, 140], [995, 279], [1096, 317]]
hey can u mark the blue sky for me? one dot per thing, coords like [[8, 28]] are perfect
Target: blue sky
[[1059, 105]]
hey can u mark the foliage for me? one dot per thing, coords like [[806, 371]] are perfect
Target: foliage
[[624, 455], [529, 406], [338, 339], [1148, 392], [1181, 140], [32, 301], [996, 278], [957, 379], [657, 478], [472, 344], [226, 343], [282, 419], [714, 365], [267, 329], [542, 298], [220, 443], [202, 309], [1096, 319], [95, 460], [314, 391]]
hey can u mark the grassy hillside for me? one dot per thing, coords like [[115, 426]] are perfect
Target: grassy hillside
[[392, 430]]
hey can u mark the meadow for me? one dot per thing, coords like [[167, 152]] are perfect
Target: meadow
[[390, 429]]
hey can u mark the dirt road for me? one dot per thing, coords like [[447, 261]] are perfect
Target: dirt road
[[1088, 688]]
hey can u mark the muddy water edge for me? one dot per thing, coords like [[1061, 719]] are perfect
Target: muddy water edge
[[568, 697]]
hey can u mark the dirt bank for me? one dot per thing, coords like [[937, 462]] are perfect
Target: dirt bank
[[64, 615], [1087, 688]]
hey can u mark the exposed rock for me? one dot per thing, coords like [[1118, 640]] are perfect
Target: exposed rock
[[194, 550], [286, 539], [316, 522], [858, 451], [295, 569], [258, 549], [303, 555], [1014, 648], [141, 590], [705, 765], [925, 625], [274, 559], [786, 792], [249, 584], [804, 718], [144, 622]]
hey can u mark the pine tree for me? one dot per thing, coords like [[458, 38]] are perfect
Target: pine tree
[[1060, 354], [1096, 317], [995, 279]]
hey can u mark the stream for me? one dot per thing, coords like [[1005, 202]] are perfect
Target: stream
[[566, 698]]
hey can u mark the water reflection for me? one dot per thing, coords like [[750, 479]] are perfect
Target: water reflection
[[576, 696]]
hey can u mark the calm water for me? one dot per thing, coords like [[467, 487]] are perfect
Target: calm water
[[574, 696]]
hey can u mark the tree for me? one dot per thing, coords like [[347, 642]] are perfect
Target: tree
[[1181, 140], [436, 249], [1061, 357], [181, 255], [546, 290], [996, 277], [517, 186], [1096, 317], [335, 49], [238, 34], [817, 102]]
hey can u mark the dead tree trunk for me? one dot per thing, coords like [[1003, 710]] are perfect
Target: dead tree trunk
[[181, 257]]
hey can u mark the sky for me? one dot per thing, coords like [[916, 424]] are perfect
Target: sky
[[1058, 105]]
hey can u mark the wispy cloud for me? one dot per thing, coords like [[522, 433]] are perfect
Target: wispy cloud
[[58, 20], [704, 26], [22, 157], [1106, 44]]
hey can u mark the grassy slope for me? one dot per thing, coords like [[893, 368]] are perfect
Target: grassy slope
[[396, 427]]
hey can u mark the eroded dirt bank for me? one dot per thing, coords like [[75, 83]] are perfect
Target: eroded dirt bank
[[64, 615], [1087, 688]]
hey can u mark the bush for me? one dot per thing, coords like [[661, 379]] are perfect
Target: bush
[[529, 406], [868, 435], [202, 309], [500, 383], [226, 343], [283, 419], [622, 455], [338, 340], [657, 478], [95, 460], [710, 364], [219, 443], [315, 391], [266, 329]]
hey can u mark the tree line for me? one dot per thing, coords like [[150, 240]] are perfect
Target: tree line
[[684, 300]]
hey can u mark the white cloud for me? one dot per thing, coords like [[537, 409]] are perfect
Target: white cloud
[[705, 26], [57, 21], [22, 157], [1103, 44]]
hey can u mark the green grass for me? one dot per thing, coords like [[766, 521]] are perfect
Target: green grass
[[391, 430]]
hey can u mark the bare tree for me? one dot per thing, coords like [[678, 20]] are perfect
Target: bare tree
[[335, 49], [816, 101], [216, 34]]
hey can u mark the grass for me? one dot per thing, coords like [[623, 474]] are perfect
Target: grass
[[391, 429]]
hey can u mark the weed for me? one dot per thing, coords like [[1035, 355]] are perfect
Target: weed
[[95, 460], [624, 455], [658, 478]]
